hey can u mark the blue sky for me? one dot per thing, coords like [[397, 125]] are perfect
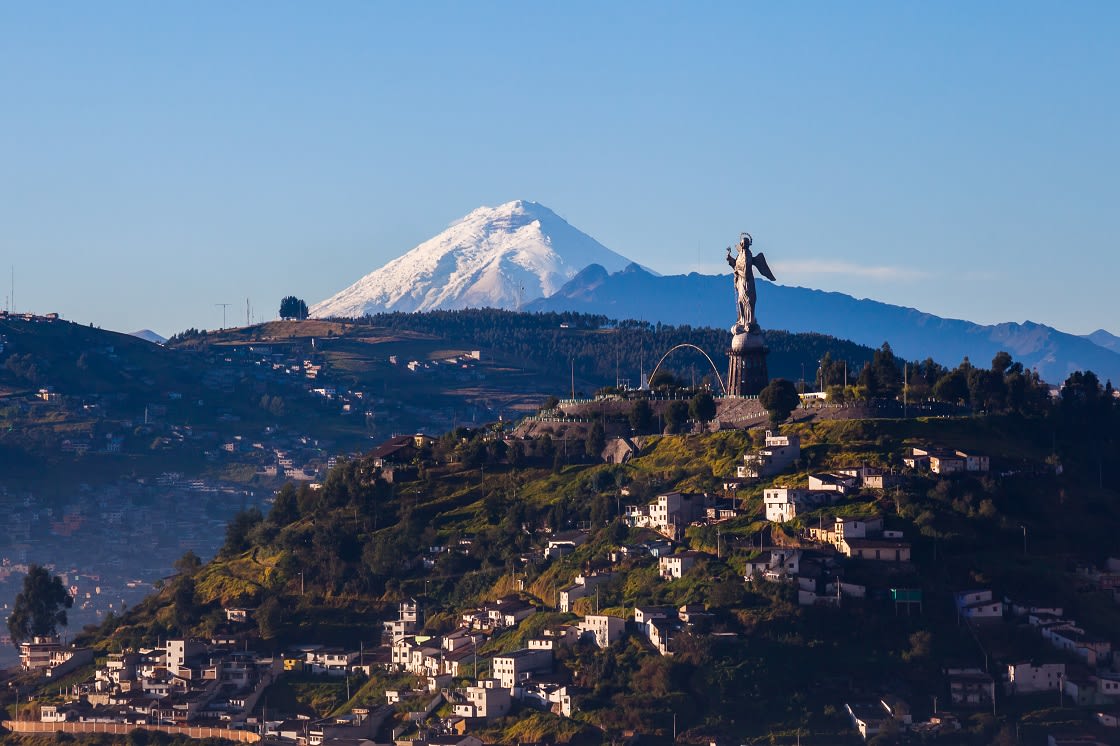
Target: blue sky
[[159, 158]]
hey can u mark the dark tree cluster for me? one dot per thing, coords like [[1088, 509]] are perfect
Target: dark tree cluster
[[40, 608], [292, 307]]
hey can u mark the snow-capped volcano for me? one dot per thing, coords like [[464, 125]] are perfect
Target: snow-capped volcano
[[499, 257]]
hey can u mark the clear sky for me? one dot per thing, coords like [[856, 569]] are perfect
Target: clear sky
[[958, 157]]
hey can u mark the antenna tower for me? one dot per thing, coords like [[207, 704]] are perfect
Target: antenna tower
[[225, 307]]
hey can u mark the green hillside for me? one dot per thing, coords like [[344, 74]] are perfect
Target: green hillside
[[324, 564]]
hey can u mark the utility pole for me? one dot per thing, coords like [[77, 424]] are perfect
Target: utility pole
[[225, 307], [573, 364]]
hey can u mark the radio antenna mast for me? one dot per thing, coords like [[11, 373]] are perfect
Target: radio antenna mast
[[225, 307]]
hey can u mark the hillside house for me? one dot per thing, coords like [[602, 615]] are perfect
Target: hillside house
[[660, 633], [778, 453], [945, 461], [35, 654], [407, 621], [1031, 678], [870, 477], [564, 542], [978, 606], [643, 615], [398, 450], [582, 586], [774, 565], [330, 661], [603, 630], [783, 503], [839, 483], [674, 566], [1093, 650], [835, 530], [507, 611], [549, 696], [971, 687], [487, 700], [669, 514], [513, 669], [881, 550]]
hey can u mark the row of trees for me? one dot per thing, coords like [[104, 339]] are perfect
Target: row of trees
[[1004, 387]]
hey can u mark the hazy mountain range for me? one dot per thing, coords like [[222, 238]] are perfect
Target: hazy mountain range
[[522, 255], [708, 300]]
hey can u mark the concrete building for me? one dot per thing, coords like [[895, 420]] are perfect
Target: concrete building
[[603, 629], [511, 669], [1030, 678]]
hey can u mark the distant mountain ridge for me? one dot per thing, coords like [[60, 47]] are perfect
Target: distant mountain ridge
[[494, 257], [1104, 339], [523, 256], [708, 300], [149, 336]]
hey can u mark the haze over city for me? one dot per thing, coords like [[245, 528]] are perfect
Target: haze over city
[[954, 158]]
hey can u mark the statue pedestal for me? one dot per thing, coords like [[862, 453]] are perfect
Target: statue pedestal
[[747, 374]]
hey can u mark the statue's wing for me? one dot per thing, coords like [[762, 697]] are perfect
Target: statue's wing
[[763, 268]]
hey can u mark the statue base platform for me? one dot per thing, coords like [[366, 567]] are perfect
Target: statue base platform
[[747, 374]]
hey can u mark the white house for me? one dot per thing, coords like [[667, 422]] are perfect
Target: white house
[[1092, 649], [660, 632], [564, 542], [486, 700], [978, 606], [782, 503], [582, 586], [1029, 678], [774, 564], [513, 668], [603, 629], [674, 566], [839, 483], [778, 454], [643, 615]]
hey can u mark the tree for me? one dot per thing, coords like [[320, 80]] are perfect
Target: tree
[[641, 415], [952, 387], [702, 407], [596, 441], [293, 308], [887, 372], [779, 399], [40, 607], [189, 564], [237, 531], [676, 416]]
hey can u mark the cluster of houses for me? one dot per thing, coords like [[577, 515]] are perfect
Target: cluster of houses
[[178, 683], [1093, 681], [1091, 678], [670, 514]]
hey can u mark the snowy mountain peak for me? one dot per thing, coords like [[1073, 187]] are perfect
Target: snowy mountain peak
[[501, 257]]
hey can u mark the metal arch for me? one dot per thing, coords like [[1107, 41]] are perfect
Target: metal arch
[[686, 344]]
